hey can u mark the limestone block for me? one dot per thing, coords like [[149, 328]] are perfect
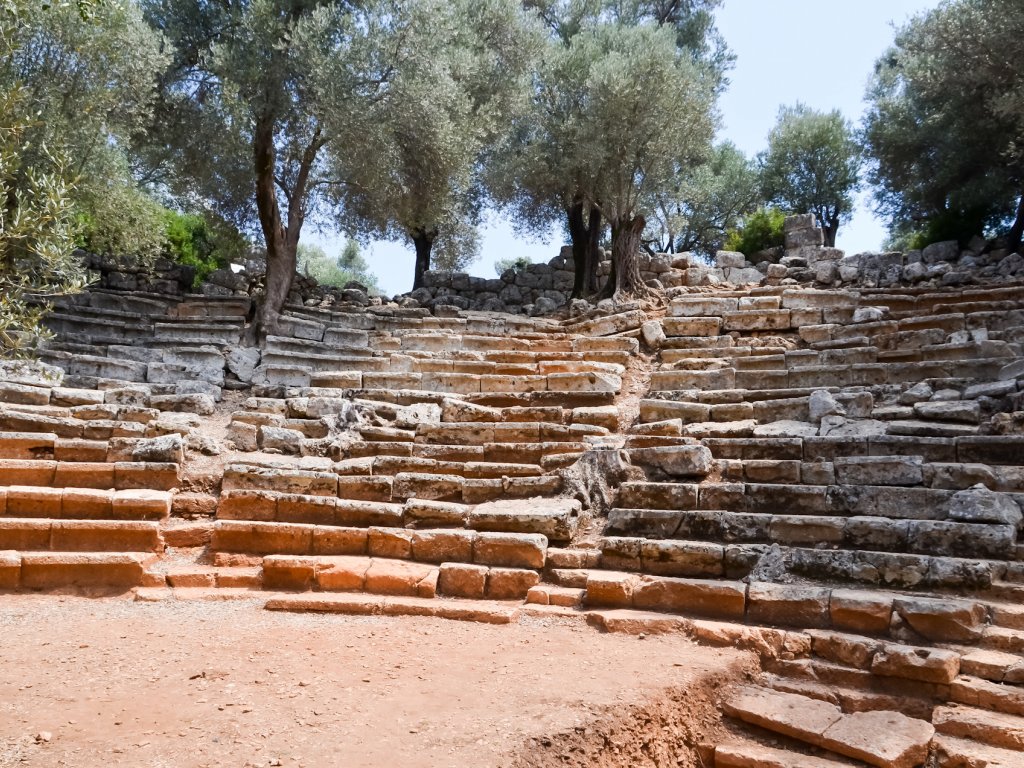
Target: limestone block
[[756, 320], [510, 550], [676, 460], [980, 505], [714, 599], [930, 665], [788, 605], [879, 470], [943, 620], [701, 306], [463, 580], [510, 583]]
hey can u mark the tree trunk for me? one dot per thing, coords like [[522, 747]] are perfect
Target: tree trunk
[[424, 243], [591, 284], [281, 237], [830, 233], [625, 282], [280, 258], [585, 236], [830, 228], [1016, 233]]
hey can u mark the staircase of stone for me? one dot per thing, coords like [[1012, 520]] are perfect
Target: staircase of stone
[[833, 480]]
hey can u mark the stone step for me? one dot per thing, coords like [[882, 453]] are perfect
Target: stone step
[[511, 550], [388, 576], [213, 577], [555, 518], [35, 534], [952, 752], [550, 594], [858, 533], [480, 433], [865, 374], [752, 755], [59, 570], [993, 728], [119, 475], [860, 693], [84, 503], [823, 607], [995, 666], [371, 605], [885, 739], [93, 365], [1003, 639], [985, 694]]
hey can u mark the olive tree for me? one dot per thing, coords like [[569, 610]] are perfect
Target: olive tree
[[539, 172], [812, 165], [242, 122], [646, 110], [87, 72], [37, 231], [413, 172], [945, 125], [706, 202]]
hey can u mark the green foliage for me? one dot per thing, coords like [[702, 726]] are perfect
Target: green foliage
[[961, 226], [411, 167], [37, 219], [946, 118], [202, 241], [515, 263], [88, 73], [761, 230], [548, 161], [607, 73], [708, 201], [119, 219], [812, 165], [349, 267]]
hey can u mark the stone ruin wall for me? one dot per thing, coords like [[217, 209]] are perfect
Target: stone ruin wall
[[542, 288]]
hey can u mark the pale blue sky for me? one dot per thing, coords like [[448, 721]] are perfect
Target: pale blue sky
[[819, 52]]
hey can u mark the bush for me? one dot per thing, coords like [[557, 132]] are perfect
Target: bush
[[760, 231], [515, 263], [961, 226], [120, 220], [349, 267], [203, 242]]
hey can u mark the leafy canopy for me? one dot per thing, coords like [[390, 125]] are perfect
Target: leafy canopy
[[945, 126], [812, 165], [708, 200]]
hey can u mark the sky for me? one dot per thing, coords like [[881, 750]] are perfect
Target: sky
[[818, 53]]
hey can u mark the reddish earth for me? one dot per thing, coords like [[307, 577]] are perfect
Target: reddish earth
[[109, 682]]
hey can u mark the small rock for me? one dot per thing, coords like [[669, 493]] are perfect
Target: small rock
[[822, 404], [978, 504], [917, 393]]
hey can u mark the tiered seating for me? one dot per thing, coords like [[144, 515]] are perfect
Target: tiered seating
[[842, 445], [834, 480]]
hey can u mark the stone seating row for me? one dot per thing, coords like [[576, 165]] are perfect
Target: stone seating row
[[557, 519], [119, 475], [399, 487], [83, 503]]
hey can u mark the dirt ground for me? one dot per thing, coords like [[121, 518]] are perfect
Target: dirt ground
[[109, 682]]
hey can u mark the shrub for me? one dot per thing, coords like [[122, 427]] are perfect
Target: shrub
[[515, 263], [202, 241], [761, 230], [349, 267]]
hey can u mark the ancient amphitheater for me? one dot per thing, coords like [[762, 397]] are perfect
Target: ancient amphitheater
[[824, 482]]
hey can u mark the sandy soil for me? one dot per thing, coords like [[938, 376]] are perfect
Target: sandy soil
[[108, 682]]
